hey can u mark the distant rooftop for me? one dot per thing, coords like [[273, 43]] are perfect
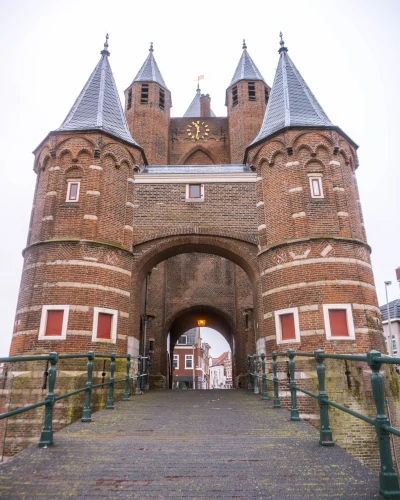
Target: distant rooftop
[[394, 310]]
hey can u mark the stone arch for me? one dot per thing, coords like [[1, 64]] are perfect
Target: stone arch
[[183, 319], [201, 149]]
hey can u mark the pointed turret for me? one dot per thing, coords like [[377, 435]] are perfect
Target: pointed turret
[[246, 99], [150, 72], [147, 110], [194, 110], [291, 103], [98, 106], [246, 69]]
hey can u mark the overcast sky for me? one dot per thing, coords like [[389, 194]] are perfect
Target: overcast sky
[[346, 50]]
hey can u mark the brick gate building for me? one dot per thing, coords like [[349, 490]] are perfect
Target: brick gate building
[[143, 222]]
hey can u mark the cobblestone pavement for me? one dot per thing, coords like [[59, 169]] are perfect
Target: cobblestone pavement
[[188, 444]]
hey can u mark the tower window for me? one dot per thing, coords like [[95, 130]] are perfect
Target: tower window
[[73, 190], [53, 323], [252, 91], [129, 104], [161, 101], [287, 325], [266, 95], [316, 186], [144, 94], [338, 321], [104, 325], [235, 99]]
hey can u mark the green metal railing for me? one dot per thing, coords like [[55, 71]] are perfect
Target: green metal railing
[[46, 438], [388, 481]]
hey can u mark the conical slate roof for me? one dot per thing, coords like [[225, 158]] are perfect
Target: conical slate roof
[[149, 72], [246, 69], [193, 110], [291, 103], [98, 106]]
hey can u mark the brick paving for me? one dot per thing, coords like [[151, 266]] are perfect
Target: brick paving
[[188, 444]]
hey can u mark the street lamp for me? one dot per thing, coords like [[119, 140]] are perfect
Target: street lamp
[[390, 344]]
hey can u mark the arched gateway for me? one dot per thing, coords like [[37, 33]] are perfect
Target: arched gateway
[[270, 245]]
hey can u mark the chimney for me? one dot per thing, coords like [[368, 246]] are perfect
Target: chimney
[[205, 106]]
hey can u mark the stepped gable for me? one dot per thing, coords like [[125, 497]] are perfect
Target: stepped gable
[[194, 110], [291, 103], [149, 72], [246, 69], [98, 106]]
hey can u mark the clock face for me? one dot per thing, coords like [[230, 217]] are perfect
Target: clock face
[[198, 130]]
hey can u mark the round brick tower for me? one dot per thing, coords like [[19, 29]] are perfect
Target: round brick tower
[[317, 282], [246, 99], [75, 288], [147, 110]]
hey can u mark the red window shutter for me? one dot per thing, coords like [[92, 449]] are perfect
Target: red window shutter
[[54, 322], [104, 326], [287, 326], [338, 322]]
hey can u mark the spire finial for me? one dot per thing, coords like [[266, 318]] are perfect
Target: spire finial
[[282, 44], [244, 44], [151, 47], [105, 52]]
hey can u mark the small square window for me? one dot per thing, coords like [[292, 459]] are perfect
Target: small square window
[[175, 362], [316, 187], [338, 320], [104, 325], [53, 323], [195, 192], [287, 325], [189, 361], [73, 191]]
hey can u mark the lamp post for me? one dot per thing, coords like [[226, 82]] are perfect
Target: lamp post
[[390, 344]]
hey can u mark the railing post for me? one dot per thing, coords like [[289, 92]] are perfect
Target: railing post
[[264, 379], [388, 482], [110, 400], [147, 386], [128, 369], [294, 414], [325, 436], [256, 391], [277, 403], [46, 438], [138, 376], [249, 386], [86, 415]]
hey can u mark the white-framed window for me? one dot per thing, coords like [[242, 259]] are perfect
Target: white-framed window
[[53, 322], [73, 189], [287, 325], [316, 185], [338, 320], [182, 340], [188, 361], [105, 325], [175, 361], [194, 192]]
